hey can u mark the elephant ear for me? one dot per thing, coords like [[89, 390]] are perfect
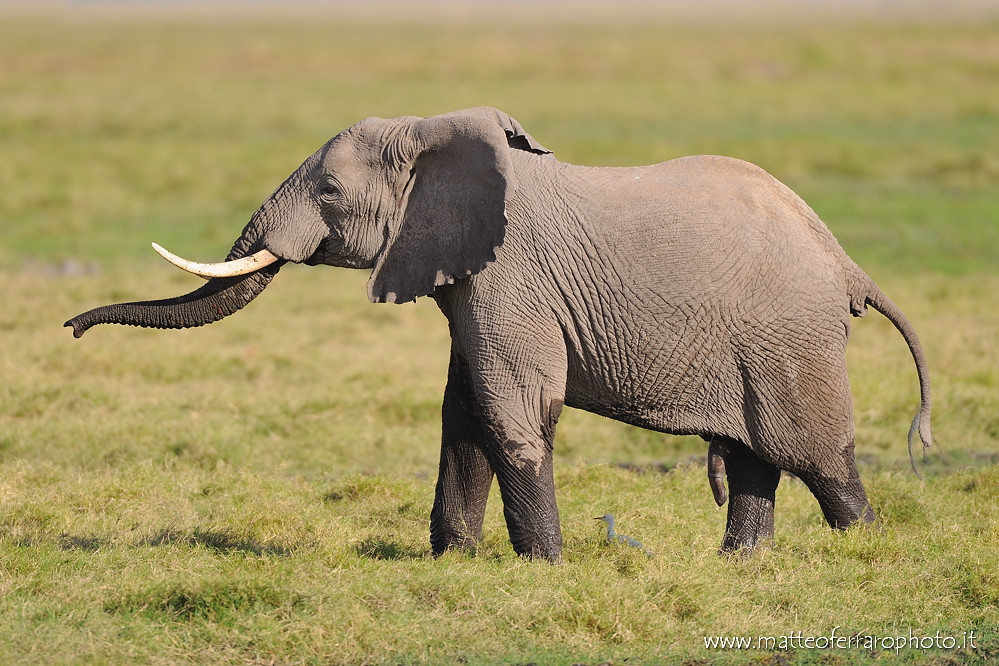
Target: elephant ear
[[516, 137], [453, 215]]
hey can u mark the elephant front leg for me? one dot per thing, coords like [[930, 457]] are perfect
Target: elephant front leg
[[522, 456], [465, 473], [752, 488], [527, 484], [517, 371]]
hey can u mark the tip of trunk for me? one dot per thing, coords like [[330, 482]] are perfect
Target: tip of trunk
[[78, 328]]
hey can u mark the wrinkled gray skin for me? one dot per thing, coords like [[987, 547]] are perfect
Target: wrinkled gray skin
[[697, 296]]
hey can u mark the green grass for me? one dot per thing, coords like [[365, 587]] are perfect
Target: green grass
[[258, 491]]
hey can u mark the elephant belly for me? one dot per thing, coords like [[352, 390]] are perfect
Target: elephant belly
[[677, 376], [691, 366]]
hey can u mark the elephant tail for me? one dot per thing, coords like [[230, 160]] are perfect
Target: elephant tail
[[921, 422]]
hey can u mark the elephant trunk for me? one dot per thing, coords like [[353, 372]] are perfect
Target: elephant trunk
[[216, 299], [247, 270]]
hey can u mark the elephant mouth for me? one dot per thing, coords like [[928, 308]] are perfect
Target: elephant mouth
[[318, 256], [331, 251]]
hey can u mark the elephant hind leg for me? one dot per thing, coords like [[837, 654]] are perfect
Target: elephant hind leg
[[799, 415], [752, 487], [841, 496]]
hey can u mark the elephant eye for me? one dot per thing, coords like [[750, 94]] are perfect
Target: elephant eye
[[329, 191]]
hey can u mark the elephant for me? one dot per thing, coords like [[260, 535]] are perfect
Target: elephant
[[698, 296]]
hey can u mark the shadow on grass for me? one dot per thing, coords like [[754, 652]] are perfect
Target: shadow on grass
[[380, 549], [226, 601], [78, 542], [225, 541], [222, 541]]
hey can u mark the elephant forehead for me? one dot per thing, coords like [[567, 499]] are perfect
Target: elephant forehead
[[355, 150], [338, 154]]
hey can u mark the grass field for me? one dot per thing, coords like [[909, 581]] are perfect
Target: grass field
[[258, 491]]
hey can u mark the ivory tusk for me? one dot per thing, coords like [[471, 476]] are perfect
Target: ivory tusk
[[219, 270]]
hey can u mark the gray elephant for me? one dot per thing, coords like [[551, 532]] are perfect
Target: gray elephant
[[697, 296]]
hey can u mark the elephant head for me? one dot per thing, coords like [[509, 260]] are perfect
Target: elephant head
[[420, 201]]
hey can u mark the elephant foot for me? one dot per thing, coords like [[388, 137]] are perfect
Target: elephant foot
[[443, 540], [534, 530], [837, 487], [844, 503], [745, 539], [533, 523], [752, 486], [550, 551], [456, 524]]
